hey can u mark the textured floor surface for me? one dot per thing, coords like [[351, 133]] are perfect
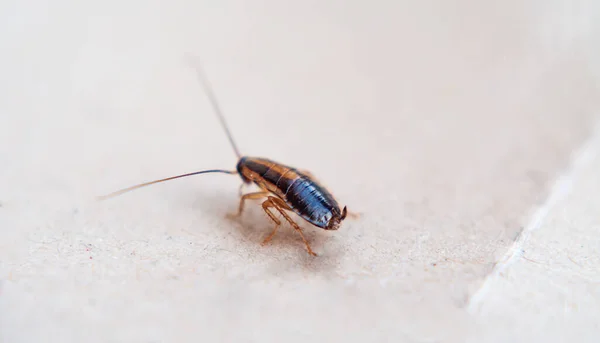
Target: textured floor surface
[[449, 127]]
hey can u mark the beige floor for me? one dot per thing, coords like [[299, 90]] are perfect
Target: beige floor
[[546, 287], [463, 133]]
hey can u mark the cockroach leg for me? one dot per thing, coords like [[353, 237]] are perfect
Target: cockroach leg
[[249, 196], [265, 205], [280, 205]]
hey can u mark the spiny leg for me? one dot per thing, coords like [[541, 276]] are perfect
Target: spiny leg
[[265, 205], [280, 205], [249, 196]]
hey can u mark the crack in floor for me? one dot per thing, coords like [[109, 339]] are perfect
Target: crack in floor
[[559, 191]]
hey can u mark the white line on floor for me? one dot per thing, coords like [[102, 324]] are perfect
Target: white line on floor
[[561, 188]]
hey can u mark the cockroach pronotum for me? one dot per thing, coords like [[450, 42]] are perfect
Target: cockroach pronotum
[[285, 188]]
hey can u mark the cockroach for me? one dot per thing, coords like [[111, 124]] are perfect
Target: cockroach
[[285, 188]]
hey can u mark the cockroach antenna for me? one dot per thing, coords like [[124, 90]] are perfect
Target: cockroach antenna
[[215, 104], [128, 189]]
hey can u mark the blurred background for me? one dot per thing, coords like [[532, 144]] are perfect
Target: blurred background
[[450, 126]]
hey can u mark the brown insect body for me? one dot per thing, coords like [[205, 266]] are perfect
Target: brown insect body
[[299, 190], [285, 188]]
